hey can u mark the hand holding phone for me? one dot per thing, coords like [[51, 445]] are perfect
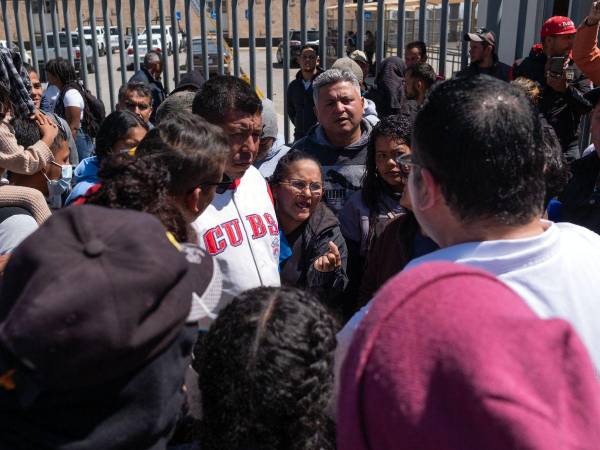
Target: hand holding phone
[[557, 66]]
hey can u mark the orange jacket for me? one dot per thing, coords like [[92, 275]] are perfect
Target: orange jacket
[[586, 52]]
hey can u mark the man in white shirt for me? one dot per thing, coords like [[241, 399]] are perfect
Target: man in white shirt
[[239, 228], [477, 189]]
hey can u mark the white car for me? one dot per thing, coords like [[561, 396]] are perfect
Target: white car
[[100, 43], [114, 39], [142, 49], [63, 51], [156, 34]]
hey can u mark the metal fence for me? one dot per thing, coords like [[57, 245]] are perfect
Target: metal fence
[[90, 48]]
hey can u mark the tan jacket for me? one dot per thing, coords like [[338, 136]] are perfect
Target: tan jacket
[[18, 159], [586, 52]]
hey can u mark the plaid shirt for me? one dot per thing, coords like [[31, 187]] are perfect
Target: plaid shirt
[[14, 77]]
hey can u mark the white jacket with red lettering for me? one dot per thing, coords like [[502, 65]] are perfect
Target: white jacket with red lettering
[[240, 230]]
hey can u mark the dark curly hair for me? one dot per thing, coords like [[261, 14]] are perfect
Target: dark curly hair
[[266, 373], [397, 127], [140, 184]]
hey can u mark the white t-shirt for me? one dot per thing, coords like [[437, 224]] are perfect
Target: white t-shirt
[[74, 98], [557, 273]]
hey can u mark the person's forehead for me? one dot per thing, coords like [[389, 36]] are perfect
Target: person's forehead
[[340, 88], [308, 52], [134, 95], [414, 51], [238, 119], [33, 76]]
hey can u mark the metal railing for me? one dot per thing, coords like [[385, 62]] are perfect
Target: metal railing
[[85, 37]]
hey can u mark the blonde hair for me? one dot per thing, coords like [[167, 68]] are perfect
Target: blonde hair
[[531, 88]]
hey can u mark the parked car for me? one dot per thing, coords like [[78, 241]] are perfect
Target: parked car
[[26, 58], [213, 62], [63, 51], [312, 38], [156, 34], [128, 35], [142, 49], [100, 43], [114, 39]]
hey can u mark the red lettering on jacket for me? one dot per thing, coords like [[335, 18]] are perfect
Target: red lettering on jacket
[[272, 225], [234, 232], [213, 242], [258, 226]]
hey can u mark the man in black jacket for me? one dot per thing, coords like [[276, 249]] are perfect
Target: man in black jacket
[[149, 74], [562, 101], [301, 107], [484, 60], [581, 198]]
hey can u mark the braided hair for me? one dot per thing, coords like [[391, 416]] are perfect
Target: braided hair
[[266, 373], [396, 127]]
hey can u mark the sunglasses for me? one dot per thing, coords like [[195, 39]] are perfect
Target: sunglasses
[[406, 160], [222, 185]]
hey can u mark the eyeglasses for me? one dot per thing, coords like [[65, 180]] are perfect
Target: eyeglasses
[[132, 105], [301, 185], [406, 160], [222, 185]]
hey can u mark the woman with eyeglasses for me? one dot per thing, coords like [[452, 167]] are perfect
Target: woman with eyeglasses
[[119, 132], [370, 209], [313, 250]]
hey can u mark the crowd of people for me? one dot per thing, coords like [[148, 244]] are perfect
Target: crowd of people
[[417, 269]]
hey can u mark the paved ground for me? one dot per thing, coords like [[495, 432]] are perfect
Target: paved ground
[[261, 70]]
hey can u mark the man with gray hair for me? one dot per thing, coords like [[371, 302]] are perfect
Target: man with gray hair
[[340, 139], [149, 74], [136, 97]]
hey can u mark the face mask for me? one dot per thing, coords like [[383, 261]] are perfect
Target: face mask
[[56, 188]]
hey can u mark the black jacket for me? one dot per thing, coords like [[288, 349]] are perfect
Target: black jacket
[[156, 88], [581, 198], [300, 105], [498, 70], [562, 110], [299, 270]]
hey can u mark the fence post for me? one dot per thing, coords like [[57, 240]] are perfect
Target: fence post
[[286, 68], [443, 39], [400, 27], [252, 43], [95, 48], [466, 29], [204, 34], [122, 59], [221, 65], [165, 46], [82, 43], [341, 38], [108, 53], [236, 38], [380, 32], [269, 48], [32, 42]]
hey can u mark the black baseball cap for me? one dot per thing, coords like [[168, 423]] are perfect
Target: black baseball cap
[[94, 294]]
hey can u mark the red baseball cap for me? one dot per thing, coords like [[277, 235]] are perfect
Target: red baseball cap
[[558, 25]]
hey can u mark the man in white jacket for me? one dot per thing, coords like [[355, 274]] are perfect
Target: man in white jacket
[[239, 228]]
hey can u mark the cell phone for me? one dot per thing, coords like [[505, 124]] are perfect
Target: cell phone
[[557, 64]]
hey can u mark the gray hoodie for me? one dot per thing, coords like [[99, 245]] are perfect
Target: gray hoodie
[[343, 167]]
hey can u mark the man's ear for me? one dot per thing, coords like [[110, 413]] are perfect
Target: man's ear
[[191, 200], [426, 192]]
